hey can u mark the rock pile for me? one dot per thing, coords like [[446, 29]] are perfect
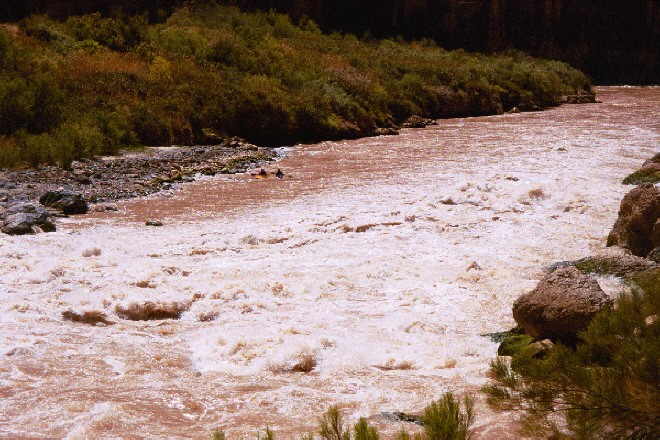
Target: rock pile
[[105, 180]]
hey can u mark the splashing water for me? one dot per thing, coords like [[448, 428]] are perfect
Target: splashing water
[[363, 278]]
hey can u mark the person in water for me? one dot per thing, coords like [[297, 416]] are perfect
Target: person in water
[[279, 174]]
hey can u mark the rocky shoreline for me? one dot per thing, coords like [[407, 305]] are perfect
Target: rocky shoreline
[[100, 182], [566, 300]]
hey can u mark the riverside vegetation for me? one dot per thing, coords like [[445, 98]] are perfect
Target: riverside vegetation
[[92, 85]]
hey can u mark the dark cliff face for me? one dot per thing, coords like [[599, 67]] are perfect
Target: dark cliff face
[[615, 41]]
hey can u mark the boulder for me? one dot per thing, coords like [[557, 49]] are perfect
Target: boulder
[[26, 218], [637, 221], [68, 202], [562, 304]]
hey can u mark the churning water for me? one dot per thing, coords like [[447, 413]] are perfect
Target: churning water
[[376, 264]]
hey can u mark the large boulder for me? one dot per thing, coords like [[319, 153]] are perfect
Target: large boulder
[[562, 304], [26, 218], [638, 216], [68, 202]]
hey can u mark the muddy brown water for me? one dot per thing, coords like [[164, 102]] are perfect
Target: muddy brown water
[[359, 261]]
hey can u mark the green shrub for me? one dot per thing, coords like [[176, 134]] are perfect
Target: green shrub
[[6, 43], [331, 426], [444, 419], [36, 149], [10, 152], [16, 106], [76, 141], [606, 387], [255, 75], [116, 34], [362, 431]]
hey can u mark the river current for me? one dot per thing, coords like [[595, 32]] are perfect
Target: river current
[[374, 266]]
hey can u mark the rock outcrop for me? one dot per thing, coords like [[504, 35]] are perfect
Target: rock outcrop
[[562, 304], [25, 218], [637, 227]]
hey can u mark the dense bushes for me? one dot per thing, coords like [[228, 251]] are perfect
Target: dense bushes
[[257, 75]]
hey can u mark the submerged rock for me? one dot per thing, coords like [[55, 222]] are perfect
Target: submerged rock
[[26, 218], [149, 311], [91, 317], [610, 261], [637, 227], [562, 304]]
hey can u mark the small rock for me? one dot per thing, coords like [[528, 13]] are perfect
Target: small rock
[[153, 223]]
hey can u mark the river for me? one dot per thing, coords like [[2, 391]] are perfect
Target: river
[[377, 263]]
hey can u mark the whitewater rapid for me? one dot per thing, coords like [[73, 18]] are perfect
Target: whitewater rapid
[[376, 263]]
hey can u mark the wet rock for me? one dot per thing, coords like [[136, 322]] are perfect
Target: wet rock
[[529, 107], [153, 223], [581, 98], [649, 173], [26, 218], [417, 122], [562, 304], [381, 131], [91, 317], [635, 228], [148, 311], [611, 261], [401, 417], [66, 201]]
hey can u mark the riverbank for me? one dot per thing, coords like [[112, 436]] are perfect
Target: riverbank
[[102, 181], [91, 86]]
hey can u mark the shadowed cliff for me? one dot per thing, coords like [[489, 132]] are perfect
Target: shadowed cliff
[[615, 41]]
